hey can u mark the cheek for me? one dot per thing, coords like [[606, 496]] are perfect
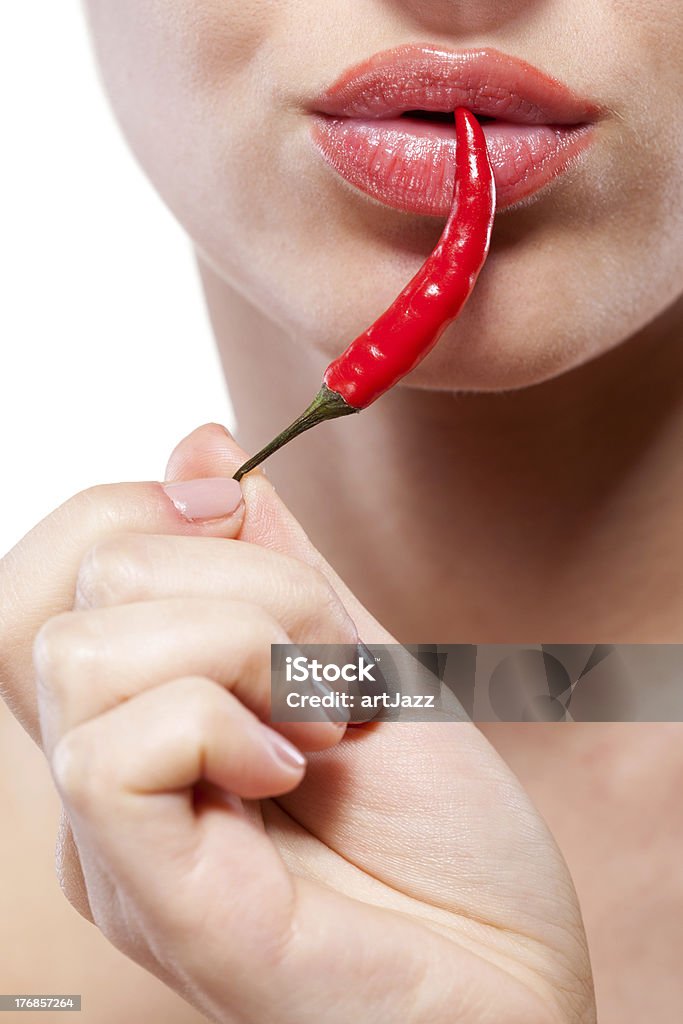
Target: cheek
[[654, 26], [192, 84], [143, 43], [182, 77]]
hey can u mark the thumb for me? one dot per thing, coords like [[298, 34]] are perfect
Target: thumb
[[211, 450]]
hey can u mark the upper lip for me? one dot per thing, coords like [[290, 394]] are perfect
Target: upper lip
[[425, 77]]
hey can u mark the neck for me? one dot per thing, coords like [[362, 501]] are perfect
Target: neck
[[548, 514]]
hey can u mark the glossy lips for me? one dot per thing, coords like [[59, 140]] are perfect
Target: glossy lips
[[366, 128]]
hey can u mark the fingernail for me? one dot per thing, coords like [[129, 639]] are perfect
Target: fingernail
[[365, 654], [337, 715], [212, 497], [284, 752]]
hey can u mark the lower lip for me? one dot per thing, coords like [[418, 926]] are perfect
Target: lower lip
[[409, 165]]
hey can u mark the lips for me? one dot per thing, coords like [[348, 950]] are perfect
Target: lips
[[385, 126]]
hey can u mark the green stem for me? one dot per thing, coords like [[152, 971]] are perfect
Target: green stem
[[327, 405]]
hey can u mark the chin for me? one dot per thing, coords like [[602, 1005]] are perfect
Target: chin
[[530, 319], [466, 365]]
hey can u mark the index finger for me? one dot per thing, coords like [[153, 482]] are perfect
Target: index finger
[[38, 576]]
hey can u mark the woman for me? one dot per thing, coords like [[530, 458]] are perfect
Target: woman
[[520, 485]]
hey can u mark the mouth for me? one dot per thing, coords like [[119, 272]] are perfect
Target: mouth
[[386, 125]]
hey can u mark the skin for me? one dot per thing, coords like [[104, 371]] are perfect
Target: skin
[[167, 775], [551, 510]]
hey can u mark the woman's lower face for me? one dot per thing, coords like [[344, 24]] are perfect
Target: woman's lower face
[[306, 148]]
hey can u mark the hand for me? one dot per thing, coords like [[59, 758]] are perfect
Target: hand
[[406, 878], [38, 577]]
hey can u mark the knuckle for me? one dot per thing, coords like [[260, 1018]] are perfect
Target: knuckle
[[111, 570], [200, 697], [60, 650], [94, 511], [256, 622], [98, 502], [74, 768], [320, 602], [257, 630], [206, 708]]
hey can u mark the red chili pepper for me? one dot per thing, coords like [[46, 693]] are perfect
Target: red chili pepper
[[411, 326]]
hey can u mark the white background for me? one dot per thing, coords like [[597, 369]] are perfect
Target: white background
[[106, 357]]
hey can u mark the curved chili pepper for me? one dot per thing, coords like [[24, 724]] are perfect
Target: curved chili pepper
[[403, 335]]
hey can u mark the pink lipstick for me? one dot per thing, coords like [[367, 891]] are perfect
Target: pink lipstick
[[385, 125]]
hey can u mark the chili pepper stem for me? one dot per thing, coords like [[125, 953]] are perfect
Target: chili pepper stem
[[327, 405]]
